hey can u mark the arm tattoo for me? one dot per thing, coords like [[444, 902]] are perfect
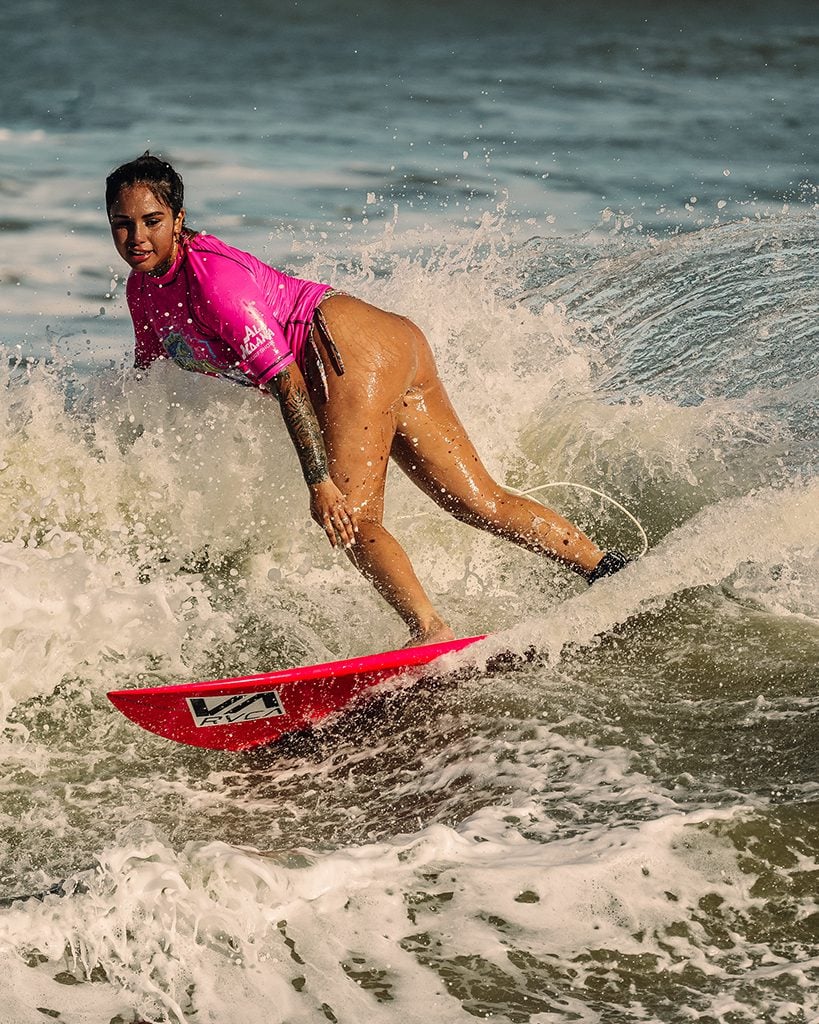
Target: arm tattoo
[[302, 426]]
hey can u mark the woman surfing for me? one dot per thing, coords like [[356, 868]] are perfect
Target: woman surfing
[[356, 386]]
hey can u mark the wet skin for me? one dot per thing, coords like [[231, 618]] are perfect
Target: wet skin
[[390, 403]]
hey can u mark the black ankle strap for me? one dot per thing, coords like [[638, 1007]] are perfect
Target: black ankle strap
[[612, 562]]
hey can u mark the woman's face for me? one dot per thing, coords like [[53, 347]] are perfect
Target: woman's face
[[144, 229]]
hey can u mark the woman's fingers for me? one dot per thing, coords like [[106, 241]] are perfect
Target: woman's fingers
[[331, 511], [342, 526]]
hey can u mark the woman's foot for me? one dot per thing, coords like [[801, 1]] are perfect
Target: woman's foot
[[611, 562], [436, 631]]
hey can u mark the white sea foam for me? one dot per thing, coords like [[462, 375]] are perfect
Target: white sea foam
[[226, 933]]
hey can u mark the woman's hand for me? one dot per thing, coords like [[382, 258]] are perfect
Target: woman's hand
[[329, 508]]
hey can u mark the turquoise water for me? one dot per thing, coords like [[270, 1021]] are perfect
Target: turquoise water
[[605, 221]]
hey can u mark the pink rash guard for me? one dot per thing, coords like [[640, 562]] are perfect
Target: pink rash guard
[[223, 312]]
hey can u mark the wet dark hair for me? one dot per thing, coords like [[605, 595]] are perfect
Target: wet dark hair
[[157, 175]]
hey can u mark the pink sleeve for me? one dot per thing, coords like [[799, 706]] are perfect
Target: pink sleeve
[[147, 346], [231, 304]]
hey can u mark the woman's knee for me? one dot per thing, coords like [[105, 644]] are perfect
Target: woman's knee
[[369, 525]]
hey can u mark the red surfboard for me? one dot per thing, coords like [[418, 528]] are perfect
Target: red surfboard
[[251, 711]]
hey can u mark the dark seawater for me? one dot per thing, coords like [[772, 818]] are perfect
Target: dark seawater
[[605, 219]]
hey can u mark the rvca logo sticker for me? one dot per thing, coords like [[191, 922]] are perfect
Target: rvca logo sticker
[[244, 707]]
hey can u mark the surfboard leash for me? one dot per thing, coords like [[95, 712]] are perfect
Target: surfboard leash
[[592, 490]]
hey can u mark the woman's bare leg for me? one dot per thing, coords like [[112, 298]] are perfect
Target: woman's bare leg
[[432, 446], [376, 553], [390, 401], [358, 425]]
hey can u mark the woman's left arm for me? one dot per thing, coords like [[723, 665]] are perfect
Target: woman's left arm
[[328, 505]]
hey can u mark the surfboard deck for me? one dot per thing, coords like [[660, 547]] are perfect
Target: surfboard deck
[[252, 711]]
